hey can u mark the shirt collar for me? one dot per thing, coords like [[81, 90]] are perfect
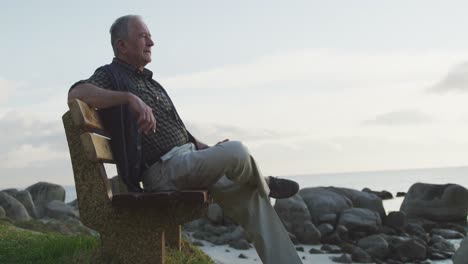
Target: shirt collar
[[132, 68]]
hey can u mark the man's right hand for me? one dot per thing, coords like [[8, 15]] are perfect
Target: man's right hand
[[143, 113]]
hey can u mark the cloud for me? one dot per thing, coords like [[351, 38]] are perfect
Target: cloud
[[319, 69], [214, 132], [7, 88], [402, 117], [456, 80]]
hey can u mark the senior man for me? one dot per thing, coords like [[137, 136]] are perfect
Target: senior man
[[151, 144]]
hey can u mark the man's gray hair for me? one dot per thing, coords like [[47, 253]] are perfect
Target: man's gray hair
[[119, 30]]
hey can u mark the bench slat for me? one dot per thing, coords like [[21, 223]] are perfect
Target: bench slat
[[84, 116], [97, 148], [160, 199]]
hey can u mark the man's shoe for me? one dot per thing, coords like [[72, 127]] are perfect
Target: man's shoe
[[282, 188]]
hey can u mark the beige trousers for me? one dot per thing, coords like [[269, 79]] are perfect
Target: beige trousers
[[231, 176]]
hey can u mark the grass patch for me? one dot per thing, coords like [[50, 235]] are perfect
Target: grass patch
[[24, 246], [189, 254]]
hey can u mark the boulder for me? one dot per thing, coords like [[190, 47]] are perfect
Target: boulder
[[362, 199], [360, 219], [461, 255], [344, 258], [2, 212], [25, 198], [325, 229], [321, 201], [240, 244], [361, 256], [59, 210], [295, 216], [13, 208], [400, 194], [445, 203], [447, 233], [441, 244], [43, 193], [215, 213], [410, 250], [10, 191], [384, 195], [375, 245], [396, 220]]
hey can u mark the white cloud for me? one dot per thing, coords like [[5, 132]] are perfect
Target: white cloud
[[29, 156], [7, 88], [401, 117], [456, 80], [321, 69]]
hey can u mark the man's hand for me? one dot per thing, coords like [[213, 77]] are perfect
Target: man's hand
[[143, 113], [226, 140]]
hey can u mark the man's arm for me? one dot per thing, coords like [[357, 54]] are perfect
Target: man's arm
[[103, 98]]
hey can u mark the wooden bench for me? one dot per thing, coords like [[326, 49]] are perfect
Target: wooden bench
[[134, 227]]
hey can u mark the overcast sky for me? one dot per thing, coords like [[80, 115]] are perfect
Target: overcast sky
[[309, 86]]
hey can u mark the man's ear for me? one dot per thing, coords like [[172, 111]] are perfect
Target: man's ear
[[122, 46]]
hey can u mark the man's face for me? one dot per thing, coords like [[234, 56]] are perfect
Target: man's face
[[138, 45]]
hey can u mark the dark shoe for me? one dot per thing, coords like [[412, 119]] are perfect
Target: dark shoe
[[282, 188]]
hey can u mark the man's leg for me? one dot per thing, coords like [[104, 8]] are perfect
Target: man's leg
[[242, 193], [256, 215]]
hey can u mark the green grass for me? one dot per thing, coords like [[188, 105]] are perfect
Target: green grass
[[25, 246]]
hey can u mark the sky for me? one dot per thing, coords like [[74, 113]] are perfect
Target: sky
[[309, 86]]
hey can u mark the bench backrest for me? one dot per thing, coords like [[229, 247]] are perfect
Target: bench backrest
[[89, 150]]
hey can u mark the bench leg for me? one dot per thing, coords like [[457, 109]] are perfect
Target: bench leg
[[130, 246], [173, 236]]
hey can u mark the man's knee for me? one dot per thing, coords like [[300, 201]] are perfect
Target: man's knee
[[237, 151]]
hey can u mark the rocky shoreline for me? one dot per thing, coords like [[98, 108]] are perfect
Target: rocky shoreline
[[350, 222]]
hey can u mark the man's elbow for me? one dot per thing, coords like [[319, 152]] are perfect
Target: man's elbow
[[75, 93]]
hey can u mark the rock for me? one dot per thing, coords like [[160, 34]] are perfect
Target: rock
[[10, 191], [293, 238], [346, 247], [215, 213], [461, 255], [316, 251], [384, 195], [300, 249], [328, 219], [361, 256], [400, 194], [362, 199], [345, 258], [59, 210], [396, 220], [445, 203], [242, 256], [2, 212], [13, 208], [295, 216], [240, 244], [410, 250], [25, 198], [415, 229], [43, 193], [440, 244], [73, 204], [375, 245], [321, 201], [196, 224], [198, 243], [447, 233], [331, 248], [325, 229], [360, 219]]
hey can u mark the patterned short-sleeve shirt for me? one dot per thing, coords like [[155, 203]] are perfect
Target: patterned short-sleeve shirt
[[170, 130]]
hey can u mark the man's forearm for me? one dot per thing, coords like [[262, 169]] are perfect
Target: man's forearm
[[98, 97]]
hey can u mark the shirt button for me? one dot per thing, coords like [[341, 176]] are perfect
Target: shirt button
[[138, 147]]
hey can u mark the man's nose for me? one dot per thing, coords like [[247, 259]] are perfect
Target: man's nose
[[150, 42]]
